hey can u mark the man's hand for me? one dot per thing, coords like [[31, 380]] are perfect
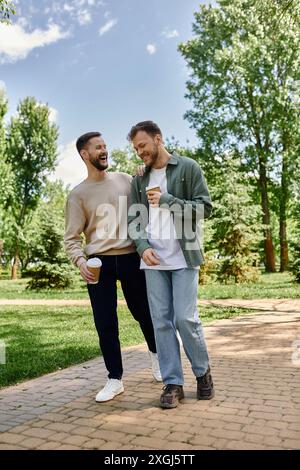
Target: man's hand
[[150, 257], [140, 170], [86, 274], [154, 198]]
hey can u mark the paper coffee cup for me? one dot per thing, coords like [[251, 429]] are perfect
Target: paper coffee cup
[[94, 266], [153, 188]]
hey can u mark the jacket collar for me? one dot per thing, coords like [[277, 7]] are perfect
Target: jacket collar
[[173, 161]]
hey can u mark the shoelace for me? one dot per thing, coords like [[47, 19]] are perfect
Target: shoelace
[[168, 388], [203, 379]]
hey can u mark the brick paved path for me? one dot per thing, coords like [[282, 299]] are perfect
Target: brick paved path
[[257, 403]]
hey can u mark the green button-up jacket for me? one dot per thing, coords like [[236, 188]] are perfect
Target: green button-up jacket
[[188, 200]]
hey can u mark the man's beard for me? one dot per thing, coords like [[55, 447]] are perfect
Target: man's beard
[[98, 164], [154, 157]]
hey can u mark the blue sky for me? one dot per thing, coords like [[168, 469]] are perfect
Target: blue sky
[[100, 65]]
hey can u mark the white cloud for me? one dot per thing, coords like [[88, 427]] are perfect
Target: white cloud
[[84, 17], [53, 115], [151, 48], [170, 34], [108, 25], [70, 169], [2, 85], [16, 43], [23, 22]]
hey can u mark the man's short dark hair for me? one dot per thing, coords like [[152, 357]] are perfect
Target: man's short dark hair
[[83, 140], [147, 126]]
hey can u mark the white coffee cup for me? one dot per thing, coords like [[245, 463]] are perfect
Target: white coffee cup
[[153, 187], [94, 266]]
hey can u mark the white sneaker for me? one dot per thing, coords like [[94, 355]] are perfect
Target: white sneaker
[[155, 366], [112, 388]]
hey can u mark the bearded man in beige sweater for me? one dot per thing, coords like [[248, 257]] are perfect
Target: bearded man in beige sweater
[[97, 207]]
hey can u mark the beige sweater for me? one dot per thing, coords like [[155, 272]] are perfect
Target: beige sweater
[[99, 210]]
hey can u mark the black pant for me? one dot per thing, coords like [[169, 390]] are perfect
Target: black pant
[[103, 297]]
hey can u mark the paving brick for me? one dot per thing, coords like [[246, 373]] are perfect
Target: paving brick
[[83, 430], [150, 442], [258, 430], [68, 447], [203, 440], [49, 445], [240, 445], [291, 444], [111, 436], [76, 440], [93, 444], [129, 429], [38, 432], [290, 434], [272, 441], [32, 443], [61, 427], [10, 447], [10, 438], [225, 434]]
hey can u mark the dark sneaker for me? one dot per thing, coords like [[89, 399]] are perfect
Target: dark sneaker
[[171, 395], [205, 386]]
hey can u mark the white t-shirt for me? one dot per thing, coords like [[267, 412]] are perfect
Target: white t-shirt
[[161, 231]]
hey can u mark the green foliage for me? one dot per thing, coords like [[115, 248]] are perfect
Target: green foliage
[[173, 145], [50, 275], [244, 81], [237, 231], [51, 269], [296, 263], [125, 161], [208, 270], [7, 9], [50, 209], [31, 148], [31, 152]]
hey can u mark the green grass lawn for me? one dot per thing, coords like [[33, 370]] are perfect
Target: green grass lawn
[[277, 286], [40, 340], [270, 286], [17, 290]]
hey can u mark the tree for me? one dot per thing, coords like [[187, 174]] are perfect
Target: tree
[[244, 78], [7, 9], [43, 255], [6, 179], [235, 225], [53, 269], [31, 152], [51, 206]]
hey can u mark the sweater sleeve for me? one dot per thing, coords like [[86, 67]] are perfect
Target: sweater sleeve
[[74, 226]]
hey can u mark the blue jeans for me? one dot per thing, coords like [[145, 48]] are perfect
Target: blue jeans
[[172, 297]]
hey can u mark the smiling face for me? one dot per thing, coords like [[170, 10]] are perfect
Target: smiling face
[[96, 153], [147, 147]]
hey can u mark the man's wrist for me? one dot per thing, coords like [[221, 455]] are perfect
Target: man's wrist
[[80, 262]]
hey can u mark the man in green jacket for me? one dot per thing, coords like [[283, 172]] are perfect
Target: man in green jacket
[[165, 225]]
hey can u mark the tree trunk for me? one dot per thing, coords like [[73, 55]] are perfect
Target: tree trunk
[[14, 269], [268, 242], [284, 253]]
